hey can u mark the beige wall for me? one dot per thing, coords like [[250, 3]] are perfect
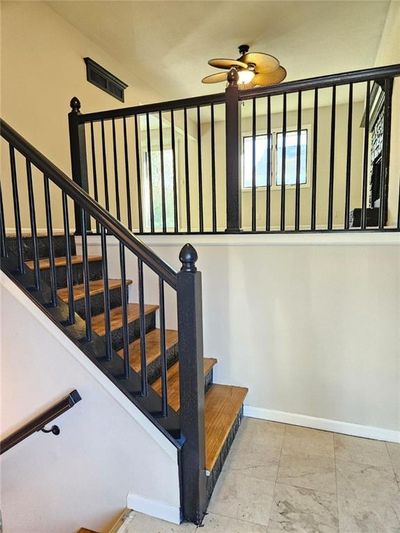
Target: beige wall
[[42, 68]]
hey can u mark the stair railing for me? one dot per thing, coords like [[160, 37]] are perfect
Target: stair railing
[[36, 184], [294, 157]]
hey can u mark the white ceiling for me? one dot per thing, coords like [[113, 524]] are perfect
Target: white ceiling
[[167, 44]]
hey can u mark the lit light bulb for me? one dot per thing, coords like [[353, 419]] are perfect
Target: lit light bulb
[[245, 76]]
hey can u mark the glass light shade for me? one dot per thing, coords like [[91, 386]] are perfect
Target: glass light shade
[[245, 76]]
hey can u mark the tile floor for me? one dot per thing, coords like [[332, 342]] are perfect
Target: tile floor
[[287, 478]]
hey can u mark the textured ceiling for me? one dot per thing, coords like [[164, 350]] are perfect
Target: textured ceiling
[[167, 44]]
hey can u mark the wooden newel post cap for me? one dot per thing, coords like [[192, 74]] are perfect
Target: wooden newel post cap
[[233, 77], [188, 257], [75, 105]]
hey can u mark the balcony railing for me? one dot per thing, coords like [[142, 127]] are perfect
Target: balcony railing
[[308, 155]]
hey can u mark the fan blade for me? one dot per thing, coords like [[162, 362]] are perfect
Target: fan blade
[[226, 63], [215, 78], [269, 79], [264, 63]]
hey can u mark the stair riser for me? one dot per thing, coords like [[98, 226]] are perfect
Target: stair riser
[[133, 331], [43, 244], [95, 272], [97, 302], [154, 369]]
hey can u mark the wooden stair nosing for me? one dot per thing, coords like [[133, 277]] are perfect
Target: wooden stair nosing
[[98, 321], [95, 287], [173, 381], [153, 348], [44, 263]]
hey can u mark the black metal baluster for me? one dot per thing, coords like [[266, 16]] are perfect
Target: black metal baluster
[[269, 168], [387, 119], [143, 359], [200, 171], [163, 208], [107, 320], [116, 176], [138, 173], [298, 166], [398, 209], [253, 170], [164, 362], [366, 157], [49, 223], [187, 175], [86, 279], [17, 213], [314, 164], [105, 173], [127, 178], [3, 248], [150, 172], [32, 216], [68, 255], [348, 160], [213, 172], [283, 170], [124, 298], [94, 166], [174, 172], [332, 160]]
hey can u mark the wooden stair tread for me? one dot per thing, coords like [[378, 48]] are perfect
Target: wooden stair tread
[[153, 349], [222, 405], [98, 324], [173, 382], [95, 287], [61, 261]]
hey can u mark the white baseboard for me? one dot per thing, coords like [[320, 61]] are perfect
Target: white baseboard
[[153, 508], [337, 426]]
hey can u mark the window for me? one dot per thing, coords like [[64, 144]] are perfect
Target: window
[[156, 189], [276, 152]]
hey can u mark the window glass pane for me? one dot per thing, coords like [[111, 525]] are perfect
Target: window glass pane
[[261, 161], [157, 193], [291, 158]]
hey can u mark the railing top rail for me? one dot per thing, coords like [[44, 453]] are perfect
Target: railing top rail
[[321, 82], [172, 105], [95, 210], [40, 421]]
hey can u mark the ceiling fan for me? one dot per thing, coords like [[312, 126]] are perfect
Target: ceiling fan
[[254, 69]]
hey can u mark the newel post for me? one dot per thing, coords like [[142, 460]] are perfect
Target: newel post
[[191, 379], [77, 142], [233, 186]]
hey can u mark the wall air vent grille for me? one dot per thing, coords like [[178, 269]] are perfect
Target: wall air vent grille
[[103, 79]]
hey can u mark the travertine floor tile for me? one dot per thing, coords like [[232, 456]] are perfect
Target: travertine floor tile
[[299, 440], [311, 472], [357, 516], [242, 497], [222, 524], [367, 451], [141, 523], [366, 482], [305, 510], [259, 436]]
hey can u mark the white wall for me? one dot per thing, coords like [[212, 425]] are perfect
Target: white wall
[[309, 323], [107, 449]]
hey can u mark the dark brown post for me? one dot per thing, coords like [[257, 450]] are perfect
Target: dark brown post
[[78, 157], [191, 379], [385, 165], [233, 186]]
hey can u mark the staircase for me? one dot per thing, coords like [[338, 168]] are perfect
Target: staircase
[[162, 371]]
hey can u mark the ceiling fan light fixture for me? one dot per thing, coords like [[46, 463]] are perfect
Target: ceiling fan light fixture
[[245, 76]]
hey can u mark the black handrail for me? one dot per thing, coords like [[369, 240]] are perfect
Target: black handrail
[[40, 421], [89, 204]]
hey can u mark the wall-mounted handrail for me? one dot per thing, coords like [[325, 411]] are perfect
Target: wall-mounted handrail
[[79, 196], [39, 422]]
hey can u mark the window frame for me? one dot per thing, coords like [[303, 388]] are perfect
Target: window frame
[[274, 157]]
